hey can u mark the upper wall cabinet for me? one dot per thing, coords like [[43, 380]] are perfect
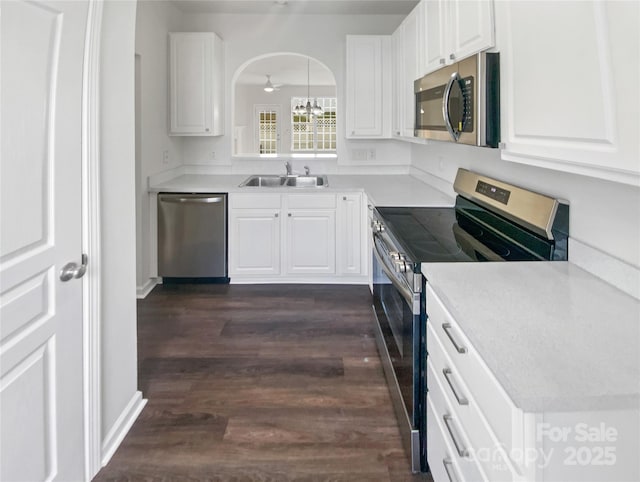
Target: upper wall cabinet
[[456, 29], [569, 96], [368, 99], [407, 46], [195, 84]]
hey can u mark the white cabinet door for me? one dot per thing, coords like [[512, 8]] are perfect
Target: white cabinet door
[[397, 76], [254, 242], [456, 29], [412, 66], [349, 241], [310, 242], [569, 100], [435, 51], [195, 84], [368, 109], [471, 26]]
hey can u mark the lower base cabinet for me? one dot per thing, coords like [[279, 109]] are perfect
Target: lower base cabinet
[[280, 237], [476, 433]]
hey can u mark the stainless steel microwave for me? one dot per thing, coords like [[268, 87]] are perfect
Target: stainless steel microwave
[[461, 102]]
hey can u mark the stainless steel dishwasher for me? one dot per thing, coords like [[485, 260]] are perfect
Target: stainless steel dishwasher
[[192, 236]]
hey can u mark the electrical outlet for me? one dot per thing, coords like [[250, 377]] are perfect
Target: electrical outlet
[[371, 155], [165, 157]]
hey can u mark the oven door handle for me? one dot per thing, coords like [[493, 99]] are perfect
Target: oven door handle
[[403, 289]]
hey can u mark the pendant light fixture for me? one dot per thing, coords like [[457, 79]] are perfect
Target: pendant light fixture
[[308, 109]]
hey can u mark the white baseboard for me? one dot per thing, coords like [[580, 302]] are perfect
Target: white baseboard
[[122, 426], [345, 280], [145, 289]]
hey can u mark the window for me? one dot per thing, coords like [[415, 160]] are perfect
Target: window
[[267, 129], [314, 133]]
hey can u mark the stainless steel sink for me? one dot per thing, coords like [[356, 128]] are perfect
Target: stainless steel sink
[[307, 181], [286, 181], [264, 181]]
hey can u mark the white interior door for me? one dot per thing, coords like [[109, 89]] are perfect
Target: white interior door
[[41, 362]]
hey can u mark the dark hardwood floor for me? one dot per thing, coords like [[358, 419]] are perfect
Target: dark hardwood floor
[[260, 383]]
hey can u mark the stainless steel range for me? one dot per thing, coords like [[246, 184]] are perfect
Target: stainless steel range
[[491, 221]]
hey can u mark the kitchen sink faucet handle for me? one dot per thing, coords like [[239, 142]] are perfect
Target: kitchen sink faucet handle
[[307, 171], [287, 165]]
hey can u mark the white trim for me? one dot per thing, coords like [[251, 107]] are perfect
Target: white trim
[[614, 271], [122, 426], [91, 235], [283, 279], [145, 289]]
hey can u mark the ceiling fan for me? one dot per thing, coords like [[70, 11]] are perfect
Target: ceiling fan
[[269, 86]]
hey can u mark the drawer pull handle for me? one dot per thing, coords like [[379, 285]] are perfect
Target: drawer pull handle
[[448, 463], [447, 329], [447, 374], [462, 452]]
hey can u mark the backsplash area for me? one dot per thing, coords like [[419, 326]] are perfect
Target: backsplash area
[[604, 215]]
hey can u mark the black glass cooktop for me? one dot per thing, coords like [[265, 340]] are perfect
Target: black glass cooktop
[[452, 235]]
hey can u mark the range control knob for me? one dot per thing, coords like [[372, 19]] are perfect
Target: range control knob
[[401, 266], [397, 255], [377, 226]]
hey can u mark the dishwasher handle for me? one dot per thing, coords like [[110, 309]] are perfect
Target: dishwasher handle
[[189, 200]]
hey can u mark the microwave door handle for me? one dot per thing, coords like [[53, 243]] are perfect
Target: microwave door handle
[[455, 77]]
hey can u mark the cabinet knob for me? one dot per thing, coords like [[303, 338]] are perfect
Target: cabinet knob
[[207, 129], [441, 61], [344, 198], [452, 57], [289, 214], [353, 133], [275, 215]]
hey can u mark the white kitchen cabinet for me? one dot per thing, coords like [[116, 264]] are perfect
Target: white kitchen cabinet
[[397, 74], [408, 52], [456, 29], [196, 85], [310, 241], [351, 231], [475, 432], [368, 85], [254, 240], [296, 237], [569, 100]]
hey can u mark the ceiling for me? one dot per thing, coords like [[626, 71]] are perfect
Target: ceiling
[[287, 70], [299, 7]]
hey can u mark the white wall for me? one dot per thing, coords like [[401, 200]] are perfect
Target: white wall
[[117, 170], [250, 36], [154, 20], [604, 215]]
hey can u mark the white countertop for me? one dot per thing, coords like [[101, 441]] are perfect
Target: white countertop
[[556, 337], [382, 190]]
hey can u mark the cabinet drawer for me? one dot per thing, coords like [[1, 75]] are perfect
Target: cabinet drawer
[[504, 418], [255, 201], [443, 466], [488, 451], [311, 201], [447, 441]]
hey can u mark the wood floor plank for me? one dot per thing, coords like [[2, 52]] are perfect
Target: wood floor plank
[[260, 383]]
